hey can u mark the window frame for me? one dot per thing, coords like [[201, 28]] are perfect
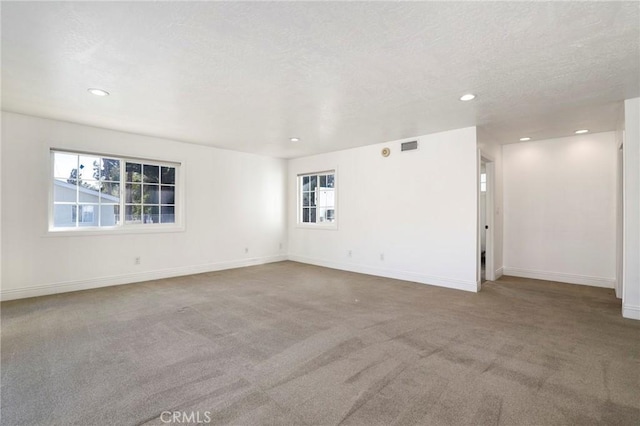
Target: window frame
[[317, 225], [123, 227]]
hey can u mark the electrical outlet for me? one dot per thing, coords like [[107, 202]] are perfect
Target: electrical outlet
[[349, 253], [246, 250], [381, 256], [280, 246], [137, 260]]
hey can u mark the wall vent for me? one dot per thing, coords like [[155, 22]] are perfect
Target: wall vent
[[408, 146]]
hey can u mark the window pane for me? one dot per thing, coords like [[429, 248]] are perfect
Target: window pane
[[321, 212], [88, 193], [305, 215], [168, 175], [168, 194], [330, 181], [63, 164], [305, 198], [89, 167], [151, 194], [325, 198], [168, 214], [133, 193], [151, 215], [133, 214], [73, 177], [312, 198], [110, 192], [109, 215], [312, 215], [483, 187], [64, 191], [110, 169], [326, 215], [64, 215], [91, 185], [134, 172], [88, 215], [305, 183], [313, 182], [151, 173], [323, 182]]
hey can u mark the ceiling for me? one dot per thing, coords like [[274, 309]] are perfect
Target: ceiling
[[248, 76]]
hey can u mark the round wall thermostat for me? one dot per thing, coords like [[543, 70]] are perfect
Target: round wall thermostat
[[386, 152]]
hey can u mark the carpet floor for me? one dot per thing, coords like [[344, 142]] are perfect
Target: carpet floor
[[293, 344]]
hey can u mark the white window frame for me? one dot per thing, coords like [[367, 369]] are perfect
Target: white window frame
[[122, 227], [318, 225]]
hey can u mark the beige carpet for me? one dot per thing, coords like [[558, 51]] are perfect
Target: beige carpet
[[294, 344]]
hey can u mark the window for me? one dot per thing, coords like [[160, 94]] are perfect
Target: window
[[317, 202], [109, 192], [483, 182]]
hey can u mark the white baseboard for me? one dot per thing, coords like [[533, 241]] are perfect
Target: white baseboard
[[499, 272], [631, 312], [64, 287], [560, 277], [388, 273]]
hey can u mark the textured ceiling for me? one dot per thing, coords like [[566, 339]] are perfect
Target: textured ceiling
[[248, 76]]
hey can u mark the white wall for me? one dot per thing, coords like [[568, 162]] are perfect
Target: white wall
[[631, 261], [418, 208], [559, 206], [233, 201]]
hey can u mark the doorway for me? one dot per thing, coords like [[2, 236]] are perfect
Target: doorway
[[486, 270]]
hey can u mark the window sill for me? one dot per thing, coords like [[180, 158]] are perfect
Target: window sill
[[325, 227], [90, 232]]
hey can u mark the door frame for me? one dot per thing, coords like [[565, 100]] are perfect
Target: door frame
[[620, 218], [490, 270]]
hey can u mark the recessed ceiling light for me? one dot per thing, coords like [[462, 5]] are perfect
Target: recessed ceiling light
[[579, 132], [295, 139], [98, 92], [525, 139], [467, 97]]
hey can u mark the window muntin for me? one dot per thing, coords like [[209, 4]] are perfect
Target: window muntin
[[108, 192], [317, 203]]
